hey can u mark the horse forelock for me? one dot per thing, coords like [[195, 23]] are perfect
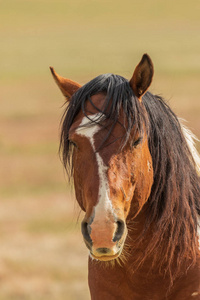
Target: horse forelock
[[119, 96]]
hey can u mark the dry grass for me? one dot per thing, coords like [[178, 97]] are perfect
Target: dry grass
[[42, 255]]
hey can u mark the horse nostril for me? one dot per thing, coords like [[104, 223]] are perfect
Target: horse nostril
[[120, 230], [85, 232], [103, 250]]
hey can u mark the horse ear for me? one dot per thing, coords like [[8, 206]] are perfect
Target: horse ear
[[67, 86], [142, 76]]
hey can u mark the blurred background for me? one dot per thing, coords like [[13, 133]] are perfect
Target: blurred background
[[42, 255]]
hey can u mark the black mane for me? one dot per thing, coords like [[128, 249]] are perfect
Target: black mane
[[174, 203]]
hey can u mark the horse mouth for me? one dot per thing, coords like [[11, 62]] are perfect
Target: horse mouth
[[106, 257]]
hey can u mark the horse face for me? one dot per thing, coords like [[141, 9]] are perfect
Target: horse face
[[111, 185]]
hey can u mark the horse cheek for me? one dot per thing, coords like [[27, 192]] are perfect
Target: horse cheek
[[78, 182]]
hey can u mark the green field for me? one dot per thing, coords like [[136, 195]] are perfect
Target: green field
[[42, 255]]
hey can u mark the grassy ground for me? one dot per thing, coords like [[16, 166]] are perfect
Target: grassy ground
[[42, 255]]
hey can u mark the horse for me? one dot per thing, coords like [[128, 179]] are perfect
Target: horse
[[136, 176]]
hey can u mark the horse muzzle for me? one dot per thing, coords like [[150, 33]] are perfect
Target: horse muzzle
[[105, 240]]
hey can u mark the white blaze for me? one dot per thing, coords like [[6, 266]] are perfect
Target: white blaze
[[104, 203]]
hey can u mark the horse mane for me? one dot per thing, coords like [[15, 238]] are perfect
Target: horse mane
[[174, 203]]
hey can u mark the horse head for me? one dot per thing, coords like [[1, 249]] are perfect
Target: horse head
[[112, 165]]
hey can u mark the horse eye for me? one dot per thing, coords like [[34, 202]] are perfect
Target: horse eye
[[73, 144], [135, 143]]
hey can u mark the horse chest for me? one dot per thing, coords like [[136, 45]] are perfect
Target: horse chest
[[117, 283], [112, 283]]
